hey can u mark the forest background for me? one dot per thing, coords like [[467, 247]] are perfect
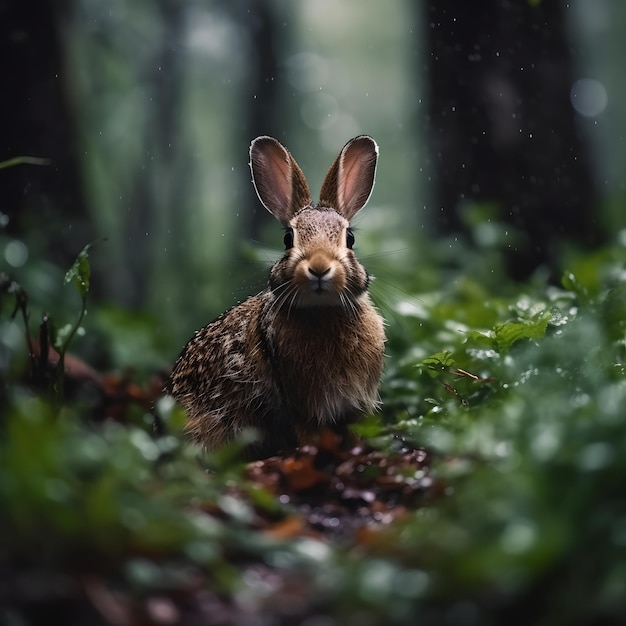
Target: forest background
[[490, 487]]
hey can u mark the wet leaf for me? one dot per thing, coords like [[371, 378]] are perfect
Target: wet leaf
[[505, 335], [80, 272], [437, 363]]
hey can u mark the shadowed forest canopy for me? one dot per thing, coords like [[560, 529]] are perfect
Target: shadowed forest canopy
[[145, 113]]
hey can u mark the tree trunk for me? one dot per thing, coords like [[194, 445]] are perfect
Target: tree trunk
[[264, 112], [44, 203], [501, 125]]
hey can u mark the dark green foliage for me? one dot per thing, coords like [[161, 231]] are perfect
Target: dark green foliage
[[519, 401]]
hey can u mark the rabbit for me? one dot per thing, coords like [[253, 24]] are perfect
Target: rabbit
[[307, 352]]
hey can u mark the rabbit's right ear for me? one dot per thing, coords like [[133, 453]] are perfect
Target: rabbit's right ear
[[277, 178], [350, 179]]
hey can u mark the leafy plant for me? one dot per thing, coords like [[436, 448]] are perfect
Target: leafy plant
[[78, 275], [488, 488]]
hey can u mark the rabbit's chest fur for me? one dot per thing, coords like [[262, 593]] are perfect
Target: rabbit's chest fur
[[258, 366], [326, 361]]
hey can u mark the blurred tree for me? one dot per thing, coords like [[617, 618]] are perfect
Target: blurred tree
[[45, 204], [260, 21], [501, 126], [156, 201]]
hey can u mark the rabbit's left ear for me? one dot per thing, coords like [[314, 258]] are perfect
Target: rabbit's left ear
[[278, 179], [350, 179]]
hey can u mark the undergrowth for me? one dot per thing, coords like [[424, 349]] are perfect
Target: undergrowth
[[517, 399]]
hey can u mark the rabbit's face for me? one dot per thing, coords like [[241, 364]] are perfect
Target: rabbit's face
[[319, 267]]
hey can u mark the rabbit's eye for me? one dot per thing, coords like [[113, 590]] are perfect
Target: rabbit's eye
[[349, 238], [288, 238]]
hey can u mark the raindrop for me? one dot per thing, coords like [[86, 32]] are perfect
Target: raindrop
[[518, 537], [318, 111], [411, 583], [307, 71], [16, 253], [596, 456], [589, 97]]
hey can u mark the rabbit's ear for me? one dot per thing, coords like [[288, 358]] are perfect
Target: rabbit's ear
[[350, 179], [277, 178]]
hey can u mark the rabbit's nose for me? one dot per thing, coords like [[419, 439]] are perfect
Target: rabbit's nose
[[318, 273], [319, 266]]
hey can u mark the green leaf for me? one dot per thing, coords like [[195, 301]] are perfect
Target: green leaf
[[510, 332], [614, 311], [571, 283], [483, 338], [23, 160], [80, 272], [369, 427], [437, 363]]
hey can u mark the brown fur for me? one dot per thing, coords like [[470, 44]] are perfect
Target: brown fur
[[307, 351]]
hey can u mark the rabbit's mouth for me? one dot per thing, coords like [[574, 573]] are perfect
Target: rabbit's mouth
[[319, 293], [319, 284], [323, 293], [320, 299]]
